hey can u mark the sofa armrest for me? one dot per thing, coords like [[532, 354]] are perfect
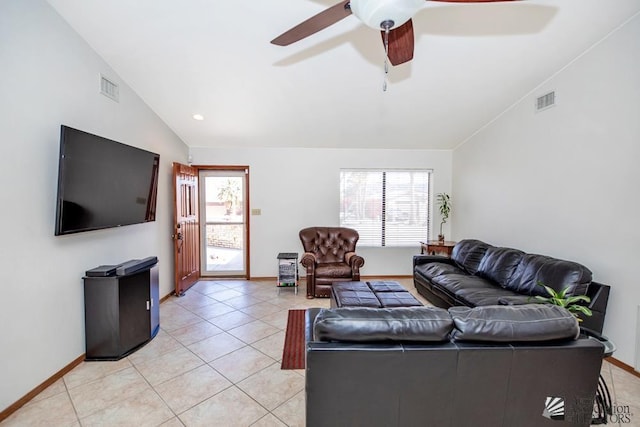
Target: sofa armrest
[[308, 261], [426, 259], [309, 319], [354, 260], [599, 294], [609, 346]]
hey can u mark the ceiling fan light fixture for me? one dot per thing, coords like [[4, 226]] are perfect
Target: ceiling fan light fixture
[[375, 12]]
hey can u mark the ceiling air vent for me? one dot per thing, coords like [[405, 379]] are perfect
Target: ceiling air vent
[[546, 101], [109, 88]]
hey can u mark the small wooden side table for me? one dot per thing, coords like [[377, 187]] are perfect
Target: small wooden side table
[[433, 247]]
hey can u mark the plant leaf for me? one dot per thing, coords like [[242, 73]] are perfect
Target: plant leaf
[[582, 309], [551, 291], [576, 298], [571, 303]]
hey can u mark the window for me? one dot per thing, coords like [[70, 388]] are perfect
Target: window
[[387, 207]]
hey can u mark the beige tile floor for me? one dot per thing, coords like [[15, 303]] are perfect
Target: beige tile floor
[[215, 362]]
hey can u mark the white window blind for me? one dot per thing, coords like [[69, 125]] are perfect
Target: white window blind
[[386, 207]]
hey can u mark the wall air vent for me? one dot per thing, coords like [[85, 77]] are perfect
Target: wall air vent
[[109, 88], [546, 101]]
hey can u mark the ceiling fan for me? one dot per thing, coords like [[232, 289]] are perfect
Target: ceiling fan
[[392, 17]]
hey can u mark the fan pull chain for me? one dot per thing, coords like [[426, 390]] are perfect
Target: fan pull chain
[[386, 58]]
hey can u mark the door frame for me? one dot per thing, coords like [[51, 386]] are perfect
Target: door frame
[[247, 216]]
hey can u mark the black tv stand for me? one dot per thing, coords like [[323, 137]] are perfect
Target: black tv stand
[[122, 311]]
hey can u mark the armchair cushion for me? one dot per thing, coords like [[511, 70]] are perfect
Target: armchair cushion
[[333, 269]]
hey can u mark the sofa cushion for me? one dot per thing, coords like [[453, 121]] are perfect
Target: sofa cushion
[[361, 324], [473, 297], [434, 269], [468, 254], [517, 323], [454, 283], [555, 273], [499, 264]]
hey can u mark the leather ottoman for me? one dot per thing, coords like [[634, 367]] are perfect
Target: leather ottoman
[[377, 294]]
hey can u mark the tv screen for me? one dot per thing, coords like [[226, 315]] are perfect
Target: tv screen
[[103, 183]]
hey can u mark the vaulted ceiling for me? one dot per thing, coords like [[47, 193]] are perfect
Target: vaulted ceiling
[[213, 57]]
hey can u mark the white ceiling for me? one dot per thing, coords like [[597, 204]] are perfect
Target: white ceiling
[[213, 57]]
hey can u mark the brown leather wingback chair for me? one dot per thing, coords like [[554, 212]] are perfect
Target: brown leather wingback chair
[[329, 256]]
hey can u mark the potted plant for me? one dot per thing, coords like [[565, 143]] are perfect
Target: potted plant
[[444, 204], [571, 303], [229, 194]]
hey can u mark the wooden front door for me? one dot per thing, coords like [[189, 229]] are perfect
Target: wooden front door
[[186, 227]]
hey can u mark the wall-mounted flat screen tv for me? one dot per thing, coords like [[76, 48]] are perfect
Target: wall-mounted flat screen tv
[[103, 183]]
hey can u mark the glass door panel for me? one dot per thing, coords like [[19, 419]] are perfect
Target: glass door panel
[[224, 227]]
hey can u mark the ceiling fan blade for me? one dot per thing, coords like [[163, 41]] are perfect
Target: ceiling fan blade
[[400, 43], [314, 24]]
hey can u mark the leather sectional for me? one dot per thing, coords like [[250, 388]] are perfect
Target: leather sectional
[[480, 274], [523, 365]]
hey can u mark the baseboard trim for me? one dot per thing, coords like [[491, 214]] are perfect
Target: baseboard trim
[[39, 389], [623, 366]]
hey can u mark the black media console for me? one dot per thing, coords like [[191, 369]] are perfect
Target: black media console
[[121, 308]]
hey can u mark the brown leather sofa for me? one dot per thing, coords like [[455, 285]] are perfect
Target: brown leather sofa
[[329, 256], [523, 366]]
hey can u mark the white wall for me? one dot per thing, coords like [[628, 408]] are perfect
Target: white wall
[[49, 77], [564, 182], [298, 188]]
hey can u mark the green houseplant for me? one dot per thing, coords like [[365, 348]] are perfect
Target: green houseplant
[[444, 204], [229, 194], [571, 303]]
